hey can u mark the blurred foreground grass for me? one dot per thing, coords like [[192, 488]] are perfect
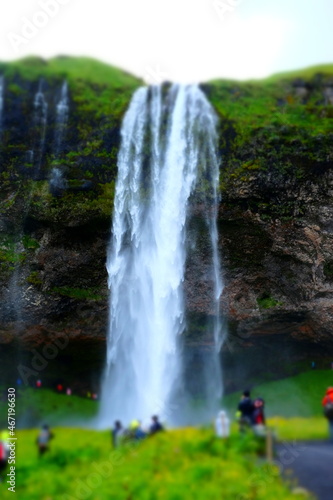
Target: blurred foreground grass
[[175, 465]]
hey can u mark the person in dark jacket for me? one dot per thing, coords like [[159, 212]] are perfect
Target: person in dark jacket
[[156, 425], [245, 410]]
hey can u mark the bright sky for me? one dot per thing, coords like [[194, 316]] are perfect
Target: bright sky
[[179, 40]]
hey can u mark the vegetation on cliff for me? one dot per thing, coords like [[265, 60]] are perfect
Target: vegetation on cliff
[[85, 162], [276, 139], [98, 97], [272, 130]]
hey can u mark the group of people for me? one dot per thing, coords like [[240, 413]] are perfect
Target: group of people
[[134, 432], [64, 390], [251, 414], [119, 433]]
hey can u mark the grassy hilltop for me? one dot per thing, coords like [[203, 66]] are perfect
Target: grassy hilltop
[[282, 124]]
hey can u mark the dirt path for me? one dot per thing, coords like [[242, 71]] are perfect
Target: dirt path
[[311, 463]]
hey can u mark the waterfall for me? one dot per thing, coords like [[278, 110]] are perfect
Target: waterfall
[[2, 85], [61, 118], [40, 121], [167, 164], [57, 182]]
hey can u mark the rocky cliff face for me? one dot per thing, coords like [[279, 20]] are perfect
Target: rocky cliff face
[[56, 200], [275, 221]]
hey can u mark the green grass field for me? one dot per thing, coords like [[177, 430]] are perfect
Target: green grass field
[[34, 406], [298, 428], [175, 465]]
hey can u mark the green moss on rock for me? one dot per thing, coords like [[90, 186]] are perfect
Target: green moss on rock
[[268, 302], [328, 270], [77, 293], [34, 279]]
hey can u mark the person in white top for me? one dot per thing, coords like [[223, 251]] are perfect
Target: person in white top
[[222, 425]]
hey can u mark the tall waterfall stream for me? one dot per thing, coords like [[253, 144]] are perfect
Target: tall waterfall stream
[[167, 166]]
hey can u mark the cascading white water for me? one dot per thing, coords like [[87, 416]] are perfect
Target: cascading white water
[[57, 181], [2, 84], [61, 118], [167, 162], [40, 121]]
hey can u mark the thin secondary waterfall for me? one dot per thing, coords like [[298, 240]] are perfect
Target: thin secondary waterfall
[[57, 181], [61, 118], [2, 84], [167, 164], [40, 121]]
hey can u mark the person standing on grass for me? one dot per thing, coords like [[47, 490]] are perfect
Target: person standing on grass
[[43, 439], [156, 425], [245, 411], [222, 425], [327, 403], [258, 417], [3, 456], [117, 432]]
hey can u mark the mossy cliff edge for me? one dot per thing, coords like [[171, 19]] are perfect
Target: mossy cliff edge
[[275, 216]]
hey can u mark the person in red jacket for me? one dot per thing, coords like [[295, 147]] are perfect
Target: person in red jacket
[[258, 417], [327, 403], [3, 456]]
